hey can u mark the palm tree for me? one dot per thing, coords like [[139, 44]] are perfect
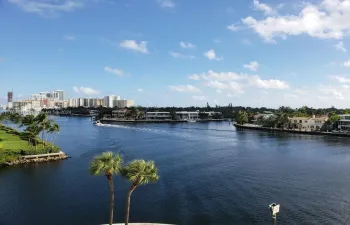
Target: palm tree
[[54, 128], [108, 164], [139, 172], [27, 120], [33, 132]]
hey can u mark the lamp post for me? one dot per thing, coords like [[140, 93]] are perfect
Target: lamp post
[[274, 209]]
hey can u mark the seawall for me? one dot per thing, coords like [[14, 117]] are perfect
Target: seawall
[[250, 127]]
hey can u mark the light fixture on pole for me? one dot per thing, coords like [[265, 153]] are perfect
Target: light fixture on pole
[[274, 209]]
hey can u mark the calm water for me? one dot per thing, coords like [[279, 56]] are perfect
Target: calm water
[[210, 174]]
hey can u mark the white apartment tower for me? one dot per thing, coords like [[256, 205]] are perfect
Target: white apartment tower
[[108, 101]]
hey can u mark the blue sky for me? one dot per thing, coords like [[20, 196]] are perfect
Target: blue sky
[[179, 52]]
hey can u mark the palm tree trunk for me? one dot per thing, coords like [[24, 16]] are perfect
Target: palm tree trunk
[[128, 197], [54, 138], [111, 192]]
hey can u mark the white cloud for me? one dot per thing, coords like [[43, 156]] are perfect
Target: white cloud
[[331, 92], [212, 75], [166, 3], [211, 55], [48, 7], [134, 46], [194, 77], [256, 81], [340, 47], [187, 45], [69, 38], [253, 66], [233, 27], [184, 88], [85, 90], [116, 72], [199, 98], [140, 90], [330, 19], [217, 84], [341, 79], [347, 63], [181, 56], [263, 7]]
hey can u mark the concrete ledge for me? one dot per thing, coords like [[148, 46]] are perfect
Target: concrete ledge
[[43, 155]]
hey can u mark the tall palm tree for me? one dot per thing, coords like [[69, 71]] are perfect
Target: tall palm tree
[[108, 164], [33, 132], [139, 172], [27, 120], [54, 128]]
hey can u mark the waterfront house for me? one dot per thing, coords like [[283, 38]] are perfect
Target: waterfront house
[[264, 116], [308, 123], [344, 122], [119, 114], [188, 115], [158, 116], [211, 114]]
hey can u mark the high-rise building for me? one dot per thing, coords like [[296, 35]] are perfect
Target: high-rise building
[[110, 100], [58, 95], [124, 103], [9, 96]]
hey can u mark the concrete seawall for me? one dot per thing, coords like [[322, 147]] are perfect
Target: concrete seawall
[[250, 127], [39, 158]]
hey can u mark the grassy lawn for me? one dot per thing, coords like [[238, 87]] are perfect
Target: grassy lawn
[[11, 140], [13, 145]]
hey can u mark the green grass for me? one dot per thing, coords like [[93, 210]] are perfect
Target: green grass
[[14, 144], [11, 140]]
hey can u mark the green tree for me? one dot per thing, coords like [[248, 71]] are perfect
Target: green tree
[[333, 118], [27, 120], [108, 164], [139, 172], [54, 129], [282, 120], [173, 114], [242, 117], [203, 116]]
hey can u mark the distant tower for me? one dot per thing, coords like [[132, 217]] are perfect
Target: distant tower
[[10, 96]]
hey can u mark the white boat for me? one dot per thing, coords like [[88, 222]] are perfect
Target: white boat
[[97, 123], [191, 121]]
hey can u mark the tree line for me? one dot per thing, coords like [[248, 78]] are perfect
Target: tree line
[[228, 111]]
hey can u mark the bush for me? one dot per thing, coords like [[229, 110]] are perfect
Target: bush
[[9, 155]]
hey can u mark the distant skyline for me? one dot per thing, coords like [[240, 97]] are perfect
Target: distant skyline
[[179, 52]]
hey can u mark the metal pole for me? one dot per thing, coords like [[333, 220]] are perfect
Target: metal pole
[[274, 217]]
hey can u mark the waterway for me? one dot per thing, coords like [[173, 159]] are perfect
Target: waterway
[[209, 174]]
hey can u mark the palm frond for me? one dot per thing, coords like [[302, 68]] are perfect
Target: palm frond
[[141, 172], [106, 163]]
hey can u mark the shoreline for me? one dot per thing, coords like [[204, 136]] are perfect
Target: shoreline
[[158, 121], [319, 133], [29, 159]]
